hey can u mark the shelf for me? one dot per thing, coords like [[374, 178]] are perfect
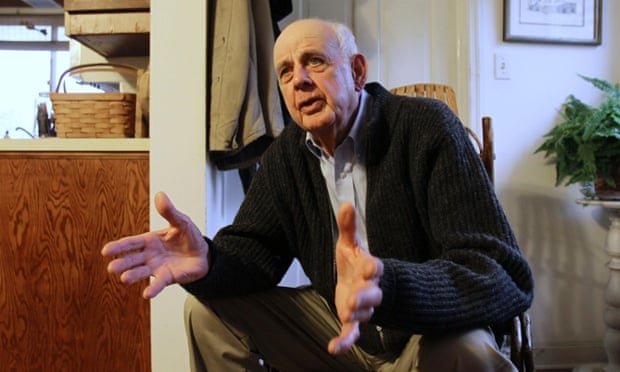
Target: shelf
[[111, 34], [75, 144], [108, 5]]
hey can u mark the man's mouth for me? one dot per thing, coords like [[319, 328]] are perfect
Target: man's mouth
[[311, 105]]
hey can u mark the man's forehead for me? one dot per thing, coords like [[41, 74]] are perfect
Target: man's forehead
[[299, 44]]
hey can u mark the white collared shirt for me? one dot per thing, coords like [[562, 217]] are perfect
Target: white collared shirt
[[345, 172]]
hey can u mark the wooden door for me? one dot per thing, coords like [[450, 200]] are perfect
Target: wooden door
[[59, 308]]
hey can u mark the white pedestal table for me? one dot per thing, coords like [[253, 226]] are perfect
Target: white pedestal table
[[612, 290]]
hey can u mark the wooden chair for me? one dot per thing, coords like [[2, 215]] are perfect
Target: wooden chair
[[521, 351]]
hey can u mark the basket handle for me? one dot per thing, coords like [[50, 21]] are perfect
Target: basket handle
[[92, 67]]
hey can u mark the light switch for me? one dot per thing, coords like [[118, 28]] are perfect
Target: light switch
[[502, 67]]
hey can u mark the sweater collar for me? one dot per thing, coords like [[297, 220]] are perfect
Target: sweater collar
[[355, 133]]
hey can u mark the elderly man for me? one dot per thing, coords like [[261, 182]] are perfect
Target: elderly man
[[385, 204]]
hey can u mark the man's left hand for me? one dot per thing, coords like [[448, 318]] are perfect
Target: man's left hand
[[357, 287]]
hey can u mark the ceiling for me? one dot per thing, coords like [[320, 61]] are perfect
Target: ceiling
[[32, 3]]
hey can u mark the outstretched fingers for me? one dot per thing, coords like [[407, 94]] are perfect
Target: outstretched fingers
[[175, 254], [126, 262], [346, 225], [129, 258], [160, 279], [349, 333], [168, 211], [135, 274], [363, 304], [124, 245]]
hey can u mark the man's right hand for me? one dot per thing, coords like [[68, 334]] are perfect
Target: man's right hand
[[176, 254]]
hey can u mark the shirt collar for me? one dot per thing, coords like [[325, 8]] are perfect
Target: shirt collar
[[355, 133]]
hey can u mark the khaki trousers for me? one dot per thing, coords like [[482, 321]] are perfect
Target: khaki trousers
[[289, 328]]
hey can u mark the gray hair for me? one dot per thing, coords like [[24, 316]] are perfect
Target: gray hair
[[345, 37]]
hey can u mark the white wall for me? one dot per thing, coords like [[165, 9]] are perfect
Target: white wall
[[410, 41], [407, 41], [562, 240], [177, 150]]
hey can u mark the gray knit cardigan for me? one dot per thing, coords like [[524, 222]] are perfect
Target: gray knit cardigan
[[451, 259]]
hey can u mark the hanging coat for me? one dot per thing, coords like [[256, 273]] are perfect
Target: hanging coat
[[243, 100]]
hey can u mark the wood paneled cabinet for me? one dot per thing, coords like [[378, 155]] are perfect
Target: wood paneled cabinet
[[59, 308]]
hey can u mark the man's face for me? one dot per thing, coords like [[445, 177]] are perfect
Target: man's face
[[315, 78]]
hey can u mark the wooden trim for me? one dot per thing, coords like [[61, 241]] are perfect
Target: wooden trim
[[99, 5], [72, 155], [107, 23]]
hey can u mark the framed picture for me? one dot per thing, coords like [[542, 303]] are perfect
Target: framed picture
[[553, 21]]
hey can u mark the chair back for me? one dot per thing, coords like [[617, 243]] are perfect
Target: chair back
[[521, 350], [441, 92], [446, 94]]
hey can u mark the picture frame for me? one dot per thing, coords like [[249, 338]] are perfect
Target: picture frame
[[553, 21]]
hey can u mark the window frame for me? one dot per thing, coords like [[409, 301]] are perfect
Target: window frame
[[52, 18]]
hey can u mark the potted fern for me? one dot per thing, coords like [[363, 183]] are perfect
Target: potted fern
[[585, 146]]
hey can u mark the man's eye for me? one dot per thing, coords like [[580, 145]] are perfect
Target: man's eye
[[285, 74], [284, 71], [315, 60]]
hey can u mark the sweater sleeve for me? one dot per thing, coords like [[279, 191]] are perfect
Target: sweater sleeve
[[451, 259], [251, 254]]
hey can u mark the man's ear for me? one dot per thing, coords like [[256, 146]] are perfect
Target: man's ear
[[359, 70]]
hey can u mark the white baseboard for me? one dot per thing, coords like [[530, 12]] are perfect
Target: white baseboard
[[568, 355]]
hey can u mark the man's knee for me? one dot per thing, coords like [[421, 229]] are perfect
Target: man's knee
[[195, 312], [471, 351]]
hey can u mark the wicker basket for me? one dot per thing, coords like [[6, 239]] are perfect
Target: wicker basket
[[94, 115]]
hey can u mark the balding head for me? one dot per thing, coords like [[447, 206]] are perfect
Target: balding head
[[321, 76]]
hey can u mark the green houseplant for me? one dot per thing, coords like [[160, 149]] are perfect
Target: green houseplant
[[585, 146]]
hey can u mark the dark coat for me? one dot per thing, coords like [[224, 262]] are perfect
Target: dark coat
[[451, 259]]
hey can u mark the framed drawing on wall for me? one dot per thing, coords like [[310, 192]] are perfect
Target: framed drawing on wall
[[553, 21]]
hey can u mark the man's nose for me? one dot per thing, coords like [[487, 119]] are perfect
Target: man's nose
[[301, 77]]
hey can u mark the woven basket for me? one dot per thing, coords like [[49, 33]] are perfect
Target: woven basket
[[94, 115]]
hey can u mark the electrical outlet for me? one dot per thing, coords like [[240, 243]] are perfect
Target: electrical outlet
[[502, 67]]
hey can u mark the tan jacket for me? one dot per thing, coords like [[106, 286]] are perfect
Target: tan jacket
[[244, 105]]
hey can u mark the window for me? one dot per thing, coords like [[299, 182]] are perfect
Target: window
[[34, 51]]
